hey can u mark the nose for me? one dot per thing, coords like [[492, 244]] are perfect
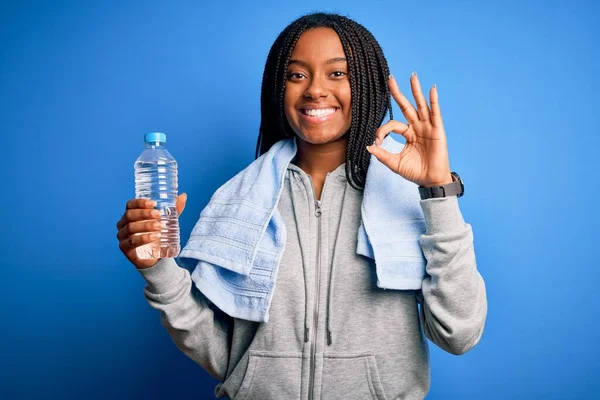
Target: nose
[[315, 89]]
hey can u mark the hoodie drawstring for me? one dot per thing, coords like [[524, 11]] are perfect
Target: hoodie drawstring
[[330, 288], [303, 245]]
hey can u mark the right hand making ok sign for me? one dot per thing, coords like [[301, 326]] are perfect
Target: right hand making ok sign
[[140, 225]]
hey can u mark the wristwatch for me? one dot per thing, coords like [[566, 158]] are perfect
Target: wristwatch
[[456, 188]]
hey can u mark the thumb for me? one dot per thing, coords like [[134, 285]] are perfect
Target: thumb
[[385, 157], [180, 203]]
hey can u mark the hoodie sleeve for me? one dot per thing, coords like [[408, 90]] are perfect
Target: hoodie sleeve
[[197, 328], [453, 297]]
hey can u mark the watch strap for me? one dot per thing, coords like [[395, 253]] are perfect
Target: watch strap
[[455, 188]]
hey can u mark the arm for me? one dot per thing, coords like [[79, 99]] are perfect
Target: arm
[[198, 330], [453, 299]]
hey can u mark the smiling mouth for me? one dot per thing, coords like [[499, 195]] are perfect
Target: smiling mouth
[[318, 112]]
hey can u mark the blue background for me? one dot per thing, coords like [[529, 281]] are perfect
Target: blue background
[[80, 83]]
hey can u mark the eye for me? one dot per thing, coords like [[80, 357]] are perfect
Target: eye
[[338, 74], [294, 76]]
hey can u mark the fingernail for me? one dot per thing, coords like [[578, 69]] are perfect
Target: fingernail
[[414, 73], [150, 203], [434, 86], [391, 76], [154, 236], [157, 225], [369, 149], [155, 213]]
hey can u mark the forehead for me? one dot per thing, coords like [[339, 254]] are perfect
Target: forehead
[[318, 44]]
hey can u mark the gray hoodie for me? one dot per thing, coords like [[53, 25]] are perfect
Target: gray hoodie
[[332, 333]]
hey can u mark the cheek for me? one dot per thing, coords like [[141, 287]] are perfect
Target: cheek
[[345, 99], [289, 101], [286, 97]]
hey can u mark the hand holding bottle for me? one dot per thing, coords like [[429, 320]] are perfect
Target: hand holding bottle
[[140, 225]]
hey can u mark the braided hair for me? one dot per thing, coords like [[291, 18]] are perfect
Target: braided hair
[[370, 94]]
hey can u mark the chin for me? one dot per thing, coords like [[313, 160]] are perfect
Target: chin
[[321, 138]]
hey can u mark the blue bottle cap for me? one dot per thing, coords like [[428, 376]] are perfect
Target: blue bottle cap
[[152, 137]]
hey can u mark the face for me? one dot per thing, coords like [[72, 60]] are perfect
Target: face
[[317, 89]]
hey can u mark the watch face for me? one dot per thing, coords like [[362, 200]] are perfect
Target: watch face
[[462, 184]]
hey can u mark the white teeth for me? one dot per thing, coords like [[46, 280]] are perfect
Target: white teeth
[[323, 112]]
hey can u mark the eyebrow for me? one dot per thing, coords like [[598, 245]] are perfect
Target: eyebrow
[[330, 61]]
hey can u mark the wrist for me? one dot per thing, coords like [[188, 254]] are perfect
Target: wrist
[[449, 179]]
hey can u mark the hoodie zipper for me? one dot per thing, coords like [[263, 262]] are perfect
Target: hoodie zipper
[[313, 348]]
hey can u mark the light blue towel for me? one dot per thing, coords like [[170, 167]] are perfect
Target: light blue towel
[[237, 243]]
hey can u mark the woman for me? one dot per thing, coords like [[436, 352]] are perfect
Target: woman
[[332, 332]]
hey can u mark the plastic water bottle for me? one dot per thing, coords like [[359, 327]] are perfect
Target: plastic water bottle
[[156, 179]]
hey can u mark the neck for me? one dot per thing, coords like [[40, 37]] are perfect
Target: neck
[[319, 159]]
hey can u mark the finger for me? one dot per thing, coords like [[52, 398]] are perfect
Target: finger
[[388, 159], [122, 222], [133, 242], [139, 227], [141, 215], [436, 112], [407, 109], [134, 203], [180, 203], [140, 203], [419, 98], [396, 127], [137, 215]]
